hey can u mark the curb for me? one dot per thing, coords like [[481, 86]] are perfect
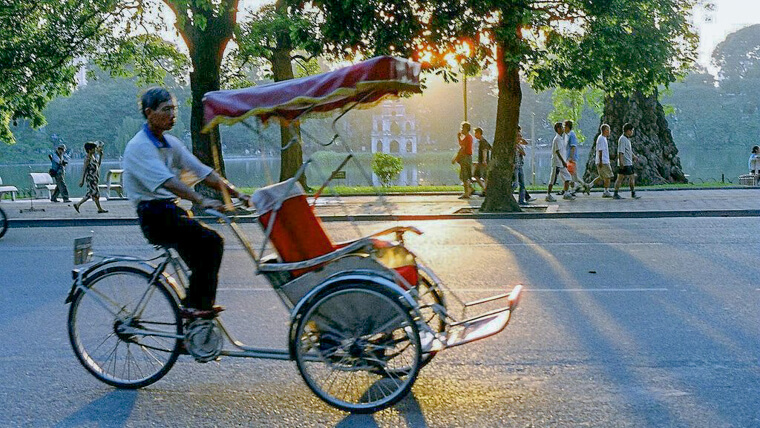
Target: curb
[[132, 221]]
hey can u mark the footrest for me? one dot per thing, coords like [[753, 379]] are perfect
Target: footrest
[[484, 325]]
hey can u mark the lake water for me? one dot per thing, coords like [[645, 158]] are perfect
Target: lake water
[[428, 169]]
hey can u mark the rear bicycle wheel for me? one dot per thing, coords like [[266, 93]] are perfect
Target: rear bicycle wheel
[[429, 300], [358, 349], [3, 223], [125, 330]]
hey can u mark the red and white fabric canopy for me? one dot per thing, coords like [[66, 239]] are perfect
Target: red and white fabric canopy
[[367, 82]]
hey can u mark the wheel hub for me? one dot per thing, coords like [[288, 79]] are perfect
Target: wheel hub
[[119, 329]]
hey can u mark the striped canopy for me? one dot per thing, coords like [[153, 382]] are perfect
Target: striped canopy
[[366, 83]]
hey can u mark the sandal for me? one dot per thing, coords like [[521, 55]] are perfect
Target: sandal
[[100, 211], [76, 207]]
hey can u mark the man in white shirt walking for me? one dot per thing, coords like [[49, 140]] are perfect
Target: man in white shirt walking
[[602, 161], [571, 142], [559, 165], [625, 162]]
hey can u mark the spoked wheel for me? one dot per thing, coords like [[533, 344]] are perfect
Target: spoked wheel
[[3, 223], [429, 298], [124, 330], [358, 349]]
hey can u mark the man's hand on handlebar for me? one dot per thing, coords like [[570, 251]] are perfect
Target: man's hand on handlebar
[[208, 203], [245, 199]]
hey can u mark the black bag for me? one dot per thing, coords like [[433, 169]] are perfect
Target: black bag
[[53, 172]]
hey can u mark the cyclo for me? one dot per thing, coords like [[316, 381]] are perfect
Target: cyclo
[[365, 315]]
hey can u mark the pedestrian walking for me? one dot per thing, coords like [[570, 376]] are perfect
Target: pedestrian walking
[[625, 162], [484, 156], [571, 141], [91, 175], [523, 195], [464, 158], [602, 161], [559, 165], [59, 160], [754, 161]]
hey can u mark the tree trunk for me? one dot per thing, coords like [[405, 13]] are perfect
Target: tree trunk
[[657, 156], [292, 158], [206, 48], [499, 197], [282, 69]]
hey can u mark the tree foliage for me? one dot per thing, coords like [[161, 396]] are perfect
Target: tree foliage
[[613, 45], [738, 58], [570, 103], [43, 43], [386, 167]]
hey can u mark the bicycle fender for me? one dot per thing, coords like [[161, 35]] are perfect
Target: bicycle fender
[[79, 276], [334, 281]]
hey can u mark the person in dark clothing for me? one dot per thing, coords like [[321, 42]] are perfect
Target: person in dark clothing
[[59, 160], [484, 156]]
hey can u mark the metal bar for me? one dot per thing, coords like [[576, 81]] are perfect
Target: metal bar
[[481, 316], [279, 267], [335, 172], [246, 244], [487, 299], [145, 332], [271, 354], [344, 112]]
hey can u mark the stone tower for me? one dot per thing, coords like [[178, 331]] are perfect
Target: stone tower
[[394, 131]]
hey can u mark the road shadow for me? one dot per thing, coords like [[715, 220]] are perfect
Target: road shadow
[[626, 337], [111, 410], [406, 413]]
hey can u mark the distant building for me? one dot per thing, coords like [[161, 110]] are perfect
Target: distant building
[[394, 131]]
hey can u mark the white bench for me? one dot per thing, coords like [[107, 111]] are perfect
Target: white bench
[[8, 189], [43, 184], [748, 179], [113, 183]]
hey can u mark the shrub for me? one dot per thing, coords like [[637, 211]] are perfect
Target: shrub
[[386, 167]]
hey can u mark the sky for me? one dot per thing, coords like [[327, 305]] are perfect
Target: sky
[[727, 17]]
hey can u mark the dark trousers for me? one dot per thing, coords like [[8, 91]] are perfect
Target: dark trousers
[[166, 224], [520, 181], [60, 186]]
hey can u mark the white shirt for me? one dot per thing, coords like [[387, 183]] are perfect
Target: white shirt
[[754, 162], [624, 147], [558, 145], [147, 167], [601, 144]]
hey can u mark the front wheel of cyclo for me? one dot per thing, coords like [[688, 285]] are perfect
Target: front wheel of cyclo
[[124, 329], [358, 348]]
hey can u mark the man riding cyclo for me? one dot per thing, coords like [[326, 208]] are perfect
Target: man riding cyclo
[[158, 171]]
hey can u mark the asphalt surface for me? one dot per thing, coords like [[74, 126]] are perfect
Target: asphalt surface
[[624, 323]]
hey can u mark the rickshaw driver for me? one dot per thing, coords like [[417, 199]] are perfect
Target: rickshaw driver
[[158, 170]]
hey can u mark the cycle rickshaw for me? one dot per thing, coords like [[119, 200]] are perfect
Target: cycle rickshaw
[[365, 315]]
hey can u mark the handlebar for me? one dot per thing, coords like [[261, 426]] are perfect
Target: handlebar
[[241, 203]]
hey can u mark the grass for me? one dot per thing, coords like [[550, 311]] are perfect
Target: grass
[[400, 190], [367, 190]]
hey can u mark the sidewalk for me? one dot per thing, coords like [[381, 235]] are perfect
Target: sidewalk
[[669, 203]]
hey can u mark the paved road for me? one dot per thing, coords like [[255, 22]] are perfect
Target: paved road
[[626, 323]]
